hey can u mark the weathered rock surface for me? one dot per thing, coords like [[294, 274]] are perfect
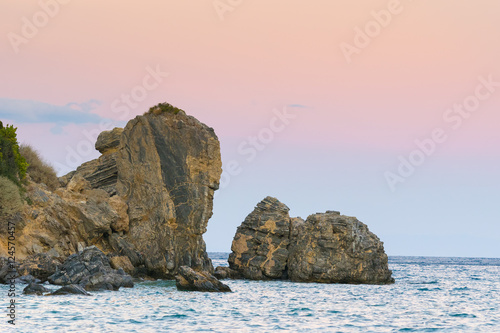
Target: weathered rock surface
[[27, 279], [332, 248], [260, 247], [122, 262], [101, 173], [148, 198], [109, 140], [60, 223], [168, 169], [326, 248], [92, 270], [191, 280], [72, 289], [223, 273], [40, 266], [35, 289], [7, 273]]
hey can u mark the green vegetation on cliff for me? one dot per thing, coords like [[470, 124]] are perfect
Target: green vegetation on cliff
[[12, 164]]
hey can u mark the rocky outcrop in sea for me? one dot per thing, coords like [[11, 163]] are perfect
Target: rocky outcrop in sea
[[325, 248], [190, 280], [145, 202], [91, 269], [140, 210]]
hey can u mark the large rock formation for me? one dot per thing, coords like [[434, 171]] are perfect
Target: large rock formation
[[260, 246], [326, 248], [168, 169], [145, 202], [334, 248]]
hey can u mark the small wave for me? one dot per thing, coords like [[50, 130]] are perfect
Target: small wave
[[462, 315], [429, 289], [424, 282], [429, 329], [300, 309]]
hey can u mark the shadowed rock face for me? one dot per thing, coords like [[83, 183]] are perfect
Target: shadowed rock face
[[326, 248], [146, 200], [40, 266], [168, 170]]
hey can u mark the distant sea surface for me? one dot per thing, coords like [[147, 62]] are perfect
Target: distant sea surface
[[430, 295]]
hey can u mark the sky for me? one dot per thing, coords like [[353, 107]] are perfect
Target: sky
[[383, 110]]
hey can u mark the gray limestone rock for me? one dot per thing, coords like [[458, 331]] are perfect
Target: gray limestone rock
[[191, 280], [91, 269]]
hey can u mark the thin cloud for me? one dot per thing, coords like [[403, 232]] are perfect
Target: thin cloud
[[297, 106], [28, 111]]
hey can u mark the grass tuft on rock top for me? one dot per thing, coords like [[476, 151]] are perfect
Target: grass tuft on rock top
[[163, 108]]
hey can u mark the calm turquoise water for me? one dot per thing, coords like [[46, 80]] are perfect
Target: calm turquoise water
[[430, 295]]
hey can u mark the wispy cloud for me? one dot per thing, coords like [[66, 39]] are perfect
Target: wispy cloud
[[297, 106], [28, 111]]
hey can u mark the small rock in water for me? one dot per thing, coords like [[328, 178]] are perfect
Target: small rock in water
[[72, 289], [190, 280], [35, 289], [223, 273]]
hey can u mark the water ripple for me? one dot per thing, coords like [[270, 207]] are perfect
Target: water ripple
[[428, 296]]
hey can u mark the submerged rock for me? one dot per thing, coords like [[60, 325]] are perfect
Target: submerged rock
[[326, 248], [191, 280], [35, 289], [92, 270], [72, 289]]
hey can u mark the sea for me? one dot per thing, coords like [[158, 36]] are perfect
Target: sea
[[430, 295]]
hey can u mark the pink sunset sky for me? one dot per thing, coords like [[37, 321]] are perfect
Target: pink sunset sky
[[362, 82]]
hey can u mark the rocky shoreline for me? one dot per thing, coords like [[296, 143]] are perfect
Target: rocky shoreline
[[140, 210]]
